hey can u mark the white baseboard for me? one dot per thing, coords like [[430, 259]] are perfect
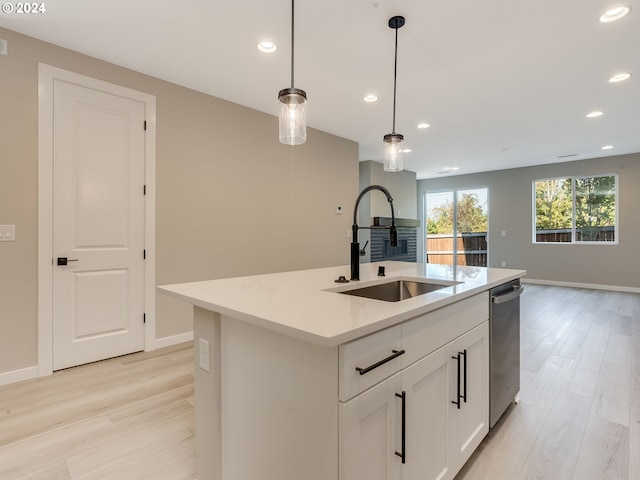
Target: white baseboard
[[593, 286], [18, 375], [29, 373], [174, 340]]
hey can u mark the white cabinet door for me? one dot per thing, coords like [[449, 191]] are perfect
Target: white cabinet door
[[427, 384], [439, 437], [470, 423], [370, 433]]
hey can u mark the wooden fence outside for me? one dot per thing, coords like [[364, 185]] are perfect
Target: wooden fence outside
[[585, 234], [471, 249]]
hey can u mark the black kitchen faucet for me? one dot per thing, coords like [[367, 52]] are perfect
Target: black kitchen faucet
[[355, 246]]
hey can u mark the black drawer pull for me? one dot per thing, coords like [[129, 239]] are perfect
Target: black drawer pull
[[458, 396], [403, 455], [396, 354], [464, 378], [462, 396]]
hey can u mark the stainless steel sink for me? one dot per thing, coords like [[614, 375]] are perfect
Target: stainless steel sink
[[396, 290]]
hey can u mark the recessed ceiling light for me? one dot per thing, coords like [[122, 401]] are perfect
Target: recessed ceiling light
[[614, 14], [607, 147], [406, 150], [267, 47], [594, 114], [370, 98], [619, 77], [423, 125]]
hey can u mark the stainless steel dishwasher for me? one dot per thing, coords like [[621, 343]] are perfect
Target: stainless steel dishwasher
[[504, 345]]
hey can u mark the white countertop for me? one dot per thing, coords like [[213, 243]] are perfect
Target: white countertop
[[304, 304]]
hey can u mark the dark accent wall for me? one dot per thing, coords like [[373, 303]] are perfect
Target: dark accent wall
[[406, 251]]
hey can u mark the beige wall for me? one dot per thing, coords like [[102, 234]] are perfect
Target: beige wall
[[231, 200], [401, 185], [510, 209]]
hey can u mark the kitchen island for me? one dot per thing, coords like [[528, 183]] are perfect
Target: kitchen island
[[295, 380]]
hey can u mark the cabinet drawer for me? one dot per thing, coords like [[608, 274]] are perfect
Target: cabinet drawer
[[369, 360], [427, 333]]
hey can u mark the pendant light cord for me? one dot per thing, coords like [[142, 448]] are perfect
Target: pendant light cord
[[395, 74], [292, 42]]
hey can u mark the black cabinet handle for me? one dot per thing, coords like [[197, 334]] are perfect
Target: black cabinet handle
[[458, 396], [396, 354], [403, 455], [464, 378]]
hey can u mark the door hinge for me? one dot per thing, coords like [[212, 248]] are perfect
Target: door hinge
[[144, 254], [145, 125], [144, 318], [144, 189]]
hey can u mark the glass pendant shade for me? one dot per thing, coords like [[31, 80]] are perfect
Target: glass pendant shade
[[293, 116], [393, 161], [393, 158]]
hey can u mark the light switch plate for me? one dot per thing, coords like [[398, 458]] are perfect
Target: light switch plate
[[4, 47], [7, 233]]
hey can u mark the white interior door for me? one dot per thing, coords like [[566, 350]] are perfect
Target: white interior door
[[98, 225]]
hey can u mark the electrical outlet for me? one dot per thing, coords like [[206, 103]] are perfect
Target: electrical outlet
[[203, 354], [504, 263], [4, 47]]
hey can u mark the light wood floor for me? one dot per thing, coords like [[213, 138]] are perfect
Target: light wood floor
[[579, 411], [128, 418], [131, 418]]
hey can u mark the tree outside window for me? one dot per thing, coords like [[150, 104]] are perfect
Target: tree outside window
[[472, 217]]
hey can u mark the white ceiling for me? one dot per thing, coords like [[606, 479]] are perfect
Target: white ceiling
[[503, 83]]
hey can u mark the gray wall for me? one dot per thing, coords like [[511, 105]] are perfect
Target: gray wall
[[227, 205], [510, 209]]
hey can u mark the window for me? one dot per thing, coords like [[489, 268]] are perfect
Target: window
[[457, 227], [576, 210]]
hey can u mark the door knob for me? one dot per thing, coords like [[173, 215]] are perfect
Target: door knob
[[65, 260]]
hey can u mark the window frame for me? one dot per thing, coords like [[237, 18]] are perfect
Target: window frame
[[454, 191], [573, 241]]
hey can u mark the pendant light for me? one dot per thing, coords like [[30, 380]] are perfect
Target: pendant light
[[293, 107], [393, 140]]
